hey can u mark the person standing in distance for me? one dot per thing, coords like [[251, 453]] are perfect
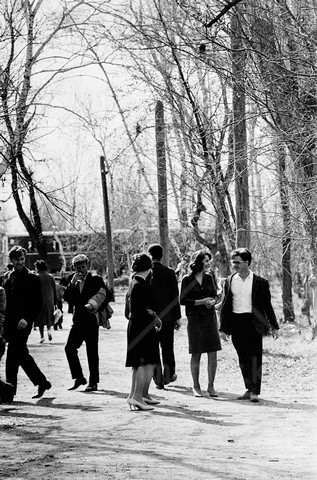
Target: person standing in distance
[[49, 299], [81, 287], [24, 302], [247, 314], [165, 288]]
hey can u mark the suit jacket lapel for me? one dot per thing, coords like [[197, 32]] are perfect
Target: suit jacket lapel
[[255, 285]]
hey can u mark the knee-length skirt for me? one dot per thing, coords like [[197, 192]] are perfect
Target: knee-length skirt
[[203, 335]]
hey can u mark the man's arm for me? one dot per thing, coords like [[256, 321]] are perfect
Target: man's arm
[[269, 311], [2, 309], [176, 309]]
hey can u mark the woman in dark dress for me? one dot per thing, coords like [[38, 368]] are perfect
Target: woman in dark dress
[[199, 295], [143, 346]]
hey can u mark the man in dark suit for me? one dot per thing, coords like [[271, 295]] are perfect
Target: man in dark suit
[[23, 304], [247, 314], [165, 289], [81, 287]]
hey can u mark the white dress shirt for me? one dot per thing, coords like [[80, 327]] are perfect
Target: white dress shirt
[[242, 293]]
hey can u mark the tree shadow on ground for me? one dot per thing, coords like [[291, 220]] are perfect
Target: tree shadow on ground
[[49, 403]]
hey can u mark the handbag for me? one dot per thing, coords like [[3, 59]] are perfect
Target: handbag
[[104, 315]]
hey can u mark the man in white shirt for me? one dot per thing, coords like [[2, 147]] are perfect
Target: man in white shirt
[[247, 314]]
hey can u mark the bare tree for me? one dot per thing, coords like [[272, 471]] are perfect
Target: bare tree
[[33, 57]]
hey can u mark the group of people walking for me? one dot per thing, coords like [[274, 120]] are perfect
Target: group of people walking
[[24, 297], [153, 309]]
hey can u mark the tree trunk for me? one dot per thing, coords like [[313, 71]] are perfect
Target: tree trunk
[[161, 179], [287, 295], [110, 266]]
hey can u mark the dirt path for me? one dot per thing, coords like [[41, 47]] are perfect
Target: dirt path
[[75, 435]]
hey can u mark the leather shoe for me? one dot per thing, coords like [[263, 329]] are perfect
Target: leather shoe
[[91, 388], [245, 396], [78, 382], [160, 386], [42, 388], [254, 398], [172, 379]]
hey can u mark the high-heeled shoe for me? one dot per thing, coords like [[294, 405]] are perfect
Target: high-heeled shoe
[[150, 401], [135, 405]]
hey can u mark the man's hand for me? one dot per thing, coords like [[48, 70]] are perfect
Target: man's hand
[[224, 336], [157, 323], [77, 277], [22, 324], [275, 334], [178, 324]]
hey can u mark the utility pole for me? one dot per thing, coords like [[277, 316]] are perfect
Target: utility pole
[[110, 267], [161, 179], [243, 237]]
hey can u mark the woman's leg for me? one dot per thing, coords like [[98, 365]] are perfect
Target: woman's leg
[[49, 333], [41, 329], [133, 382], [149, 376], [194, 368], [212, 367], [143, 377]]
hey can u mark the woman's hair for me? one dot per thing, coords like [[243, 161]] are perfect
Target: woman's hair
[[40, 265], [141, 262], [196, 262], [244, 253]]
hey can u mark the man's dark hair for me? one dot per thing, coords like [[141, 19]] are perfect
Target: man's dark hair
[[40, 265], [244, 253], [156, 251], [16, 252]]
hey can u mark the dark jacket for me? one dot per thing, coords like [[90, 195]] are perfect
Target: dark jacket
[[78, 299], [165, 288], [191, 291], [264, 317], [24, 300]]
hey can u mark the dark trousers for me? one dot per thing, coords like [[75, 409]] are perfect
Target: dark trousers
[[248, 344], [18, 356], [163, 373], [78, 334]]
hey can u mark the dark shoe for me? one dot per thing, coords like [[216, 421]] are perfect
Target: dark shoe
[[42, 388], [254, 398], [245, 396], [78, 382], [7, 392], [160, 386], [172, 379], [7, 399], [213, 394], [91, 388]]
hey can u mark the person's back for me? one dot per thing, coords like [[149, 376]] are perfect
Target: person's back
[[165, 288]]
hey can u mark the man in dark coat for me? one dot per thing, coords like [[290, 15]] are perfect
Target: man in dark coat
[[23, 304], [165, 289], [81, 287], [247, 314]]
